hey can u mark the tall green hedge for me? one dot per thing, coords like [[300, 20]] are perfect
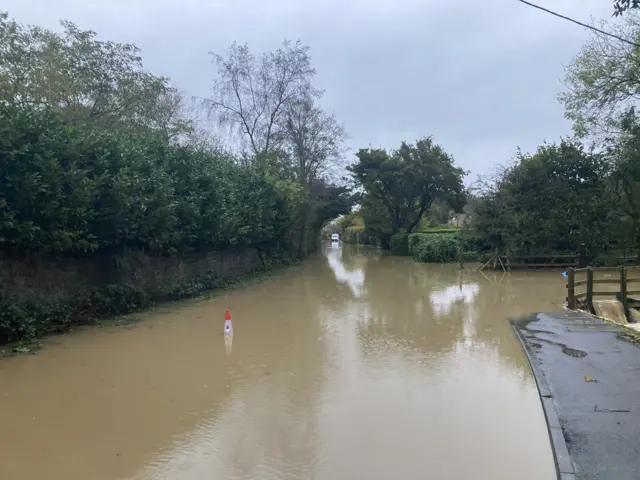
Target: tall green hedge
[[434, 248], [69, 187]]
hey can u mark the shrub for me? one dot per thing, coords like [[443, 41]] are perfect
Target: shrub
[[434, 248], [29, 319], [400, 244], [448, 231], [78, 188]]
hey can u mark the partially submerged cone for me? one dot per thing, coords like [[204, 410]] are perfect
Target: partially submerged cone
[[228, 328]]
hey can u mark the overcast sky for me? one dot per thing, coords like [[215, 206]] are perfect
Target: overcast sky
[[481, 76]]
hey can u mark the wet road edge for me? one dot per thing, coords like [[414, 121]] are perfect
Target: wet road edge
[[562, 459]]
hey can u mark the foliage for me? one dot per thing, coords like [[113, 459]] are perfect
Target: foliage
[[86, 79], [551, 201], [603, 81], [400, 186], [350, 220], [621, 6], [79, 188], [400, 244], [270, 102], [437, 214], [376, 220], [96, 155], [434, 248], [624, 155], [441, 229]]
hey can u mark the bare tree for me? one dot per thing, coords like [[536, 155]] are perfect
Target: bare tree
[[251, 94], [314, 140]]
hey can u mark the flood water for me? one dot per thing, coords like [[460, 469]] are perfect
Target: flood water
[[353, 365]]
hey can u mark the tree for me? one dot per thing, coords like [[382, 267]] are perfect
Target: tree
[[377, 221], [621, 6], [407, 181], [603, 81], [624, 154], [313, 138], [314, 141], [85, 79], [551, 201], [251, 95]]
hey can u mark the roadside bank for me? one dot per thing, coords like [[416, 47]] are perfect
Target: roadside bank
[[47, 296]]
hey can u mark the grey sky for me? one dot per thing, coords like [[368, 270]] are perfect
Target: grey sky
[[480, 76]]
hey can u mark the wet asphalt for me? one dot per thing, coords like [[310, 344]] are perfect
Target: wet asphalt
[[589, 383]]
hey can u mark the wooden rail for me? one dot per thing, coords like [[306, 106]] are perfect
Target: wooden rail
[[541, 261], [585, 278], [508, 262]]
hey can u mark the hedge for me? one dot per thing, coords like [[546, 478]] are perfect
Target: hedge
[[71, 188], [434, 248], [448, 231], [400, 244]]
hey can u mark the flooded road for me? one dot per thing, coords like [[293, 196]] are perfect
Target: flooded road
[[351, 366]]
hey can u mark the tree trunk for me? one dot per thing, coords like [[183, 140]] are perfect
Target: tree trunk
[[305, 210], [423, 208]]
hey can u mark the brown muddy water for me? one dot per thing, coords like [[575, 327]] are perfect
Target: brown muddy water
[[351, 366]]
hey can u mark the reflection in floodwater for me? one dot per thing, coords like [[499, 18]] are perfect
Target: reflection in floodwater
[[443, 300], [354, 278], [228, 344], [351, 365]]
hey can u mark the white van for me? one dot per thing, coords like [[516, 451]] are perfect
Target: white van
[[335, 237]]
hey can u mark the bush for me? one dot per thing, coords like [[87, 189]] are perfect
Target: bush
[[73, 188], [400, 244], [448, 231], [434, 248], [30, 319]]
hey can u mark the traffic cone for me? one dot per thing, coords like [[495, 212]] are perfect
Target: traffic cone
[[228, 328]]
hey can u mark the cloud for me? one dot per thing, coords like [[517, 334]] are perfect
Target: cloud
[[481, 76]]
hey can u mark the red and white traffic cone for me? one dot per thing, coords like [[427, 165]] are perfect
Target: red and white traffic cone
[[228, 328]]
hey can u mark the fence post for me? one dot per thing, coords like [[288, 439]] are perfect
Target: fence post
[[623, 291], [590, 289], [461, 258], [583, 261], [571, 292]]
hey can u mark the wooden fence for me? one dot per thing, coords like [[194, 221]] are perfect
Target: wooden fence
[[542, 261], [586, 279], [508, 262]]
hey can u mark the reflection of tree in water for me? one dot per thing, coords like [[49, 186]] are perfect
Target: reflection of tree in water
[[398, 296], [438, 308]]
